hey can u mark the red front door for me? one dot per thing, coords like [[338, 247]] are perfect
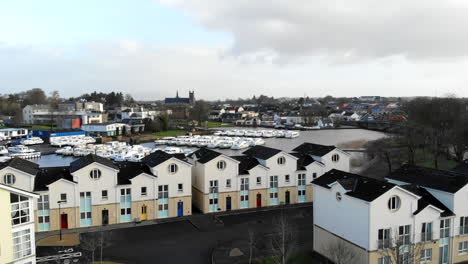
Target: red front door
[[259, 200], [64, 221]]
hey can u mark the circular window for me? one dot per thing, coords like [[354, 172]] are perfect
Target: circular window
[[95, 174], [335, 157], [221, 165], [338, 196], [281, 160], [173, 168], [9, 179], [394, 203]]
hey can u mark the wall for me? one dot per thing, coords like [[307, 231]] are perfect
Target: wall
[[335, 216], [23, 181], [324, 242], [183, 175], [6, 238], [381, 217]]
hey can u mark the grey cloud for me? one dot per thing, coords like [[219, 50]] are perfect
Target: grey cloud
[[348, 30]]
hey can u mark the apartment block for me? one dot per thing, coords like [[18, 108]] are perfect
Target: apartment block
[[17, 242], [416, 215]]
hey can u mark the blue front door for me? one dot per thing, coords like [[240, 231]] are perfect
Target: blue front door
[[180, 208], [228, 203]]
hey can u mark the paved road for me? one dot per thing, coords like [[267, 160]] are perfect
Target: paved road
[[192, 240]]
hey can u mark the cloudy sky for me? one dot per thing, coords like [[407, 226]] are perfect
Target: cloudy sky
[[230, 49]]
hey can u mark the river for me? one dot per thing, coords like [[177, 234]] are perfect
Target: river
[[324, 137]]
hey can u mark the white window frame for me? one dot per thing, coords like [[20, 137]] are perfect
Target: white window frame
[[301, 179], [426, 254], [244, 186], [335, 158], [19, 207], [9, 179], [180, 187], [394, 203], [173, 168], [384, 241], [464, 225], [221, 165], [95, 174], [463, 247], [287, 178], [404, 234], [274, 181], [228, 183], [259, 180], [445, 228], [61, 197], [281, 160], [426, 232], [106, 196], [144, 191], [22, 246], [214, 186], [163, 191]]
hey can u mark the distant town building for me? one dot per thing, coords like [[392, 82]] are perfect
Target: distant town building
[[67, 115], [181, 100]]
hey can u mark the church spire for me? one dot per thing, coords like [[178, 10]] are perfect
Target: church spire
[[177, 94]]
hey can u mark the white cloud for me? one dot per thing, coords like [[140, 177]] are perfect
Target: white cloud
[[153, 72], [347, 30]]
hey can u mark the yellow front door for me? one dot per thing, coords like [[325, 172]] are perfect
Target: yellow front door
[[143, 215]]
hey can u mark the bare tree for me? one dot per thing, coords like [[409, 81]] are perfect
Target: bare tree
[[90, 242], [283, 240], [341, 253], [401, 249], [251, 244], [105, 240]]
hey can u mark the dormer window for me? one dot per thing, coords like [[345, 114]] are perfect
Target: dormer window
[[221, 165], [9, 179], [394, 203], [173, 168], [335, 157], [338, 196], [95, 174], [281, 160]]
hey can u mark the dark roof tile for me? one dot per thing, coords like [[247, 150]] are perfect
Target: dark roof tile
[[261, 152], [314, 149], [22, 165], [447, 181], [90, 159], [49, 175]]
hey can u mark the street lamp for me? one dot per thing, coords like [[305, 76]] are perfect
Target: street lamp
[[60, 218]]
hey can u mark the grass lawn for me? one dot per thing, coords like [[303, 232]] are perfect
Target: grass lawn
[[41, 127], [425, 159], [212, 124], [169, 133]]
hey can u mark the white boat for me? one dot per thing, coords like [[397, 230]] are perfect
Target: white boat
[[240, 145], [32, 141], [4, 158], [225, 144], [268, 133], [173, 150], [291, 134], [20, 149], [3, 150]]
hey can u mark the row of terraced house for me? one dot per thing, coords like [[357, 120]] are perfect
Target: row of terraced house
[[94, 191]]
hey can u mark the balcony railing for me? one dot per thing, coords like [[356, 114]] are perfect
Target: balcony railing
[[383, 243], [464, 230], [426, 236]]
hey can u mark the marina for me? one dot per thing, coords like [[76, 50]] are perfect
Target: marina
[[325, 137]]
